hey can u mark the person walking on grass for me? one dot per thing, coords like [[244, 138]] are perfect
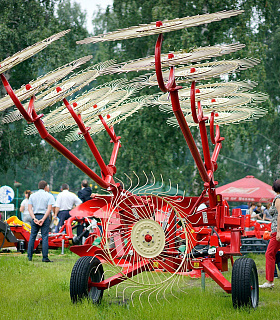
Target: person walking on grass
[[39, 206], [274, 243]]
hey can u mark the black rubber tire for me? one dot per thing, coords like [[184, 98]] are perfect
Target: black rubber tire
[[245, 283], [86, 268]]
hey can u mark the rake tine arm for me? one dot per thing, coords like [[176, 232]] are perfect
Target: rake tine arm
[[32, 117], [68, 154], [216, 140], [115, 151], [117, 145], [193, 108], [110, 131], [204, 138], [158, 64], [217, 137], [85, 132], [171, 80], [15, 99], [173, 89], [31, 105]]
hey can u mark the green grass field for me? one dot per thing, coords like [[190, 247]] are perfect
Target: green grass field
[[36, 290]]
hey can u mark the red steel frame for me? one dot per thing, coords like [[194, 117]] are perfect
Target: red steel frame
[[228, 227]]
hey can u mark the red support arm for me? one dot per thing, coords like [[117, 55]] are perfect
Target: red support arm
[[15, 99], [67, 154], [85, 133], [188, 135], [32, 117], [120, 277], [210, 268], [171, 81], [204, 138], [171, 87]]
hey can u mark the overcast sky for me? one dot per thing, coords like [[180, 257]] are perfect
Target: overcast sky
[[90, 6]]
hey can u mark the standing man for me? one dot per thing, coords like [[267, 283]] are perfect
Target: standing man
[[85, 193], [64, 203], [39, 206]]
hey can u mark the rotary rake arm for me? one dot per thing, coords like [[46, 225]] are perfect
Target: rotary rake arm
[[206, 170], [31, 116]]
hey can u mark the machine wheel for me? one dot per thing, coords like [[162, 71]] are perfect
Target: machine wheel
[[86, 271], [245, 283], [21, 246]]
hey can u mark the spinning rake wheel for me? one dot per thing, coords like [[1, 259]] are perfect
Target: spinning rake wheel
[[149, 237], [151, 240]]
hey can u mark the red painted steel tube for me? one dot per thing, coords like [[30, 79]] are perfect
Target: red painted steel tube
[[109, 131], [120, 277], [67, 154], [31, 105], [188, 135], [215, 154], [115, 151], [212, 127], [90, 142], [205, 143], [171, 79], [171, 87], [193, 108], [15, 99], [210, 268], [214, 138], [158, 63]]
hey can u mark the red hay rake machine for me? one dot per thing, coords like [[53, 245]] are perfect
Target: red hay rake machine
[[149, 241]]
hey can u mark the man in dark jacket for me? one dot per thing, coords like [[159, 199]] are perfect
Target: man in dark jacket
[[85, 193]]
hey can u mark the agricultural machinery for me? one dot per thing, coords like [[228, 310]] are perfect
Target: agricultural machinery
[[149, 241], [15, 233]]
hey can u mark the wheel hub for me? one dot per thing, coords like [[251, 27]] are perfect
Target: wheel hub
[[147, 238]]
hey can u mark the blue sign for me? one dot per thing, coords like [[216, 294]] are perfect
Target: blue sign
[[6, 194]]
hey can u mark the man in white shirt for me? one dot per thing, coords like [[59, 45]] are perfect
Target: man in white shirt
[[39, 206], [64, 203]]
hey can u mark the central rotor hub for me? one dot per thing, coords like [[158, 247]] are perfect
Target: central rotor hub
[[147, 238]]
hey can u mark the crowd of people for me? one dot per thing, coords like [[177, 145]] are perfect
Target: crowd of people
[[260, 212], [40, 208]]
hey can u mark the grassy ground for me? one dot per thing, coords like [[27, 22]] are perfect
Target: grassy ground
[[36, 290]]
